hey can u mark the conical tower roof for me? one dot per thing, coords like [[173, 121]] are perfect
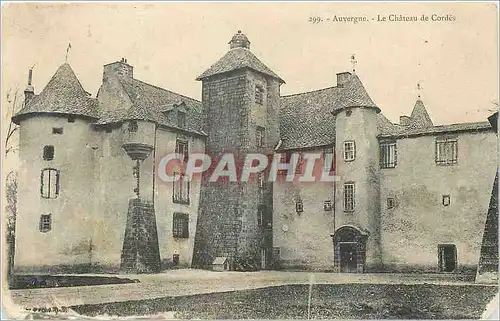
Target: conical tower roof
[[63, 94], [419, 117], [353, 94]]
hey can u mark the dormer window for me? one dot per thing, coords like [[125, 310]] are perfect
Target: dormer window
[[181, 119], [259, 94]]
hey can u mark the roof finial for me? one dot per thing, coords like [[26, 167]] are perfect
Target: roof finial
[[239, 40], [419, 89], [67, 51], [353, 62]]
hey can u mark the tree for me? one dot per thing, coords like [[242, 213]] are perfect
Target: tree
[[11, 184], [12, 127], [10, 211]]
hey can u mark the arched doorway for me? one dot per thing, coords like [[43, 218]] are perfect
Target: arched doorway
[[349, 247]]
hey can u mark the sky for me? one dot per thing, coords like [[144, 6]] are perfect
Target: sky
[[170, 44]]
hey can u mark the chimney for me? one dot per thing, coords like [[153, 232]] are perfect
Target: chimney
[[118, 69], [342, 78], [404, 120], [29, 92]]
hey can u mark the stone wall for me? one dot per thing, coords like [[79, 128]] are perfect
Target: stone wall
[[164, 205], [303, 238], [419, 222], [227, 224], [67, 245], [140, 252]]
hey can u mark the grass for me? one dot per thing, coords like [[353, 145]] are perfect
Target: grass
[[342, 301], [53, 281]]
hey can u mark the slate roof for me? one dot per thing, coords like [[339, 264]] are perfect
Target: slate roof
[[156, 104], [385, 126], [419, 117], [407, 131], [238, 58], [353, 94], [420, 124], [63, 94], [306, 119]]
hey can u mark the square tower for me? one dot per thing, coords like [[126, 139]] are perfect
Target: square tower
[[240, 98]]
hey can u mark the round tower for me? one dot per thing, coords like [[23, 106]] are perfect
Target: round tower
[[356, 237], [55, 176]]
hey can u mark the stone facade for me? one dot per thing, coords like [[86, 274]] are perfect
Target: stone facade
[[417, 214]]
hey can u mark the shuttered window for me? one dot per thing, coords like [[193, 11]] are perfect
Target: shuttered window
[[388, 155], [180, 227], [446, 151], [49, 183], [181, 189], [45, 224], [349, 202]]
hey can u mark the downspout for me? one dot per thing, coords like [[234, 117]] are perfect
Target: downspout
[[154, 165], [334, 187]]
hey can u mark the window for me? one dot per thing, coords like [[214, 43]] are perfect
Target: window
[[388, 155], [181, 119], [181, 147], [57, 130], [327, 205], [349, 151], [390, 203], [261, 216], [133, 126], [49, 183], [300, 161], [180, 226], [285, 159], [349, 197], [181, 189], [348, 112], [328, 163], [299, 207], [45, 224], [446, 151], [259, 94], [48, 152], [259, 135], [446, 200], [108, 129], [447, 255], [71, 119], [260, 180]]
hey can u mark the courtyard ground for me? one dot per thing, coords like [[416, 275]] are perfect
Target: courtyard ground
[[175, 286], [337, 301]]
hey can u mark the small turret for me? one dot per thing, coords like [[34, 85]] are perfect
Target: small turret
[[239, 40], [29, 92]]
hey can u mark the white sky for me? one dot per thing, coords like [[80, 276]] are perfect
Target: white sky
[[170, 44]]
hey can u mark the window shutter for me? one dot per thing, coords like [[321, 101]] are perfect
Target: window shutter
[[57, 182], [42, 183], [395, 155], [186, 226]]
